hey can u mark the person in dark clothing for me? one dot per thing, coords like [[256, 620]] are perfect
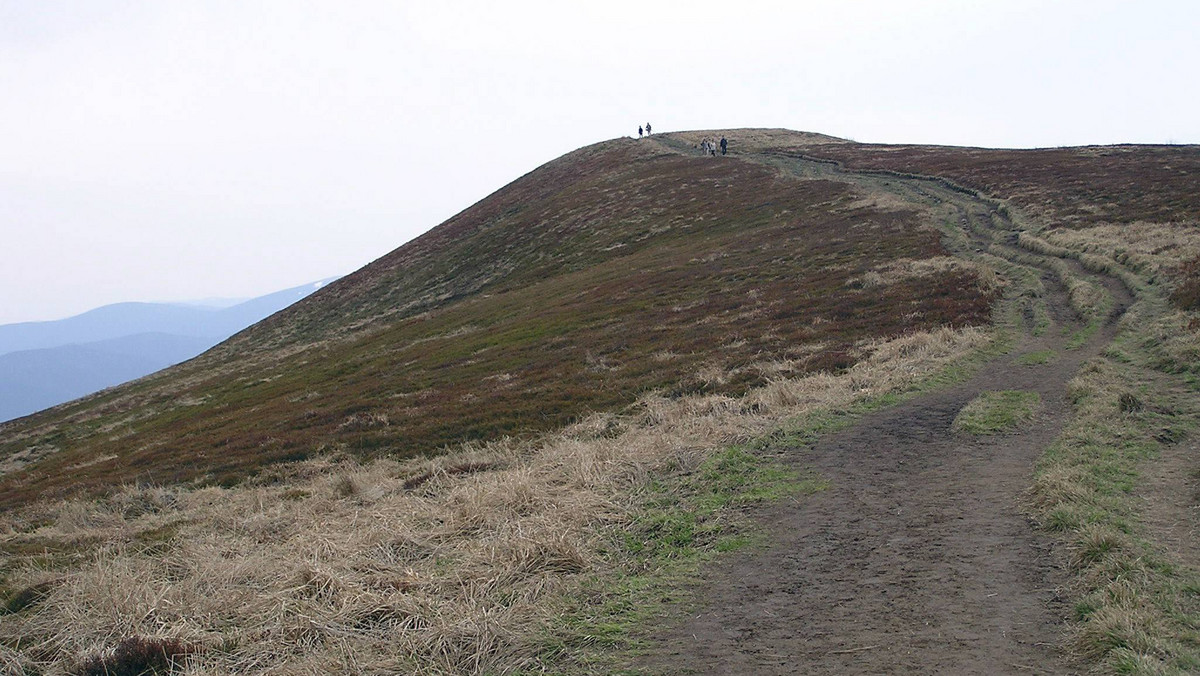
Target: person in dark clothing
[[647, 129], [724, 145], [639, 132]]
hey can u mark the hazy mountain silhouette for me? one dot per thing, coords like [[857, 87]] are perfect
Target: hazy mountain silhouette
[[47, 363], [126, 319]]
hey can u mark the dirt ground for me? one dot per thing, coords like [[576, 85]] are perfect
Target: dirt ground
[[917, 559]]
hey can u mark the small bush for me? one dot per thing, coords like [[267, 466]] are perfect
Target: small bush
[[1130, 403], [27, 597], [137, 656], [1187, 293], [346, 486]]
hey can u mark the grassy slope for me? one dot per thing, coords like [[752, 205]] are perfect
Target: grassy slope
[[614, 270]]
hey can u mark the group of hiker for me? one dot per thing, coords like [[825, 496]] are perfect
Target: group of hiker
[[709, 146]]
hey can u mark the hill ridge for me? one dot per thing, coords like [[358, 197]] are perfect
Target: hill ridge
[[631, 234]]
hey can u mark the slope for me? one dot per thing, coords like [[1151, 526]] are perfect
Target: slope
[[618, 269], [902, 544], [919, 555]]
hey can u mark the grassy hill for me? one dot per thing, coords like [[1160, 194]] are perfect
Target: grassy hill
[[615, 270], [506, 446]]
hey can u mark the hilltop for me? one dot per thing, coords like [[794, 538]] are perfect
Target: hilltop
[[618, 269], [926, 408]]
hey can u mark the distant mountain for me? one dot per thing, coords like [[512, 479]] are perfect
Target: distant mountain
[[127, 319], [31, 380], [47, 363]]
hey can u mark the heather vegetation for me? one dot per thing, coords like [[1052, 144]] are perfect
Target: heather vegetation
[[507, 446], [617, 270]]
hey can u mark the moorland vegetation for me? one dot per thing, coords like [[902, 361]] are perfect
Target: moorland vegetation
[[503, 446]]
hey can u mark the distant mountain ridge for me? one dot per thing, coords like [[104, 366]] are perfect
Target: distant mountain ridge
[[125, 319], [43, 364]]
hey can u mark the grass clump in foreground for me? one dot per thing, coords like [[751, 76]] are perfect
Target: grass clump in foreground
[[997, 412], [1137, 606]]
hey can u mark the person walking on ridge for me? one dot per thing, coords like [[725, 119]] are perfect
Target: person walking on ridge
[[639, 132], [724, 145], [647, 129]]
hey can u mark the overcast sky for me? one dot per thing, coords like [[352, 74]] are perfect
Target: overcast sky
[[155, 150]]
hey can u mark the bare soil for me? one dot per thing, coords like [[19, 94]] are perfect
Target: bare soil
[[917, 559]]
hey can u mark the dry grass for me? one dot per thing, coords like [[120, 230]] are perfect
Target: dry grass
[[453, 564], [1149, 249], [907, 268]]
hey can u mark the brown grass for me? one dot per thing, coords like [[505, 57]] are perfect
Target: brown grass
[[452, 564]]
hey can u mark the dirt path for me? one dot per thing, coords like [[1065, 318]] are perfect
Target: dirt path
[[917, 559]]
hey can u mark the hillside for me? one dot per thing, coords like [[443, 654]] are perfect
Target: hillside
[[615, 270], [814, 406]]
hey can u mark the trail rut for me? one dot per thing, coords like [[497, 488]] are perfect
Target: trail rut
[[917, 559]]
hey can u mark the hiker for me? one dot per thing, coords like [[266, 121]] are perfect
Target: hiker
[[639, 132], [647, 129], [724, 145]]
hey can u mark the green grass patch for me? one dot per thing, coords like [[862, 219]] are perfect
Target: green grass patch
[[997, 412], [1080, 337], [684, 521]]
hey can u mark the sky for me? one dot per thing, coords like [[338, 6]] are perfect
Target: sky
[[155, 150]]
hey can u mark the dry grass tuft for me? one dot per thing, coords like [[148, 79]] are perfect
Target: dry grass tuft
[[1122, 628]]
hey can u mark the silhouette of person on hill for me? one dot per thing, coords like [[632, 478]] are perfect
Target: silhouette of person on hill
[[724, 145], [639, 132], [647, 129]]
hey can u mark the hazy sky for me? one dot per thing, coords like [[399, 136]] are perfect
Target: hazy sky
[[156, 150]]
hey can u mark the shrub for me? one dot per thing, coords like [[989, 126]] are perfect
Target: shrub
[[137, 656], [27, 597], [1187, 293]]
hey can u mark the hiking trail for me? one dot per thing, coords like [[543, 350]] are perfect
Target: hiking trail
[[917, 558]]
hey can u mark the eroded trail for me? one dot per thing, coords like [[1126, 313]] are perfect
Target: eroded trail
[[917, 559]]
